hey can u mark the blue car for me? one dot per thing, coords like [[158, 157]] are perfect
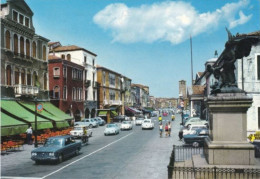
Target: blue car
[[56, 149], [196, 138]]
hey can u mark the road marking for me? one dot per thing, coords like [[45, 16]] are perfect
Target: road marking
[[86, 156], [8, 177]]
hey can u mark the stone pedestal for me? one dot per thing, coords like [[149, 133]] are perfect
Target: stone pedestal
[[227, 143]]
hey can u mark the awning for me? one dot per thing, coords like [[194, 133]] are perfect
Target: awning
[[18, 112], [114, 113], [102, 113], [59, 121], [133, 110], [11, 126], [56, 111]]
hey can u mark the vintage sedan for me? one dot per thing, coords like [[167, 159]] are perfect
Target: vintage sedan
[[147, 124], [191, 128], [196, 138], [139, 121], [81, 130], [56, 149], [126, 125], [195, 121], [111, 128]]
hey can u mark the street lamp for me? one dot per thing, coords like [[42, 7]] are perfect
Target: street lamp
[[35, 121]]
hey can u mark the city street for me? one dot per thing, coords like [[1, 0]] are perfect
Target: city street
[[135, 153]]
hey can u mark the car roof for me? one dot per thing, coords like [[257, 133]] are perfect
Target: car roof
[[81, 125], [60, 137]]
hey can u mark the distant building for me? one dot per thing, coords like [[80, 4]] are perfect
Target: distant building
[[140, 95], [66, 86], [182, 89], [84, 58]]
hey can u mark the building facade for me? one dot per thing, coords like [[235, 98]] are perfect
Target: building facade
[[140, 95], [87, 59], [24, 64], [66, 86]]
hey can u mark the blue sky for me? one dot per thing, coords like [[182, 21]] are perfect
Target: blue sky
[[147, 40]]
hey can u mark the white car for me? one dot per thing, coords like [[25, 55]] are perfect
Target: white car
[[111, 128], [126, 125], [78, 131], [147, 124], [195, 121], [139, 121], [192, 128], [88, 122]]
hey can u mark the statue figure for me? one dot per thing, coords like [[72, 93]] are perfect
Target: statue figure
[[223, 71]]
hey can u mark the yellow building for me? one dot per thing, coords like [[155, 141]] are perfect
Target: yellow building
[[109, 93]]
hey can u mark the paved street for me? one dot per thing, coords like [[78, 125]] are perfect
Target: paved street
[[131, 154]]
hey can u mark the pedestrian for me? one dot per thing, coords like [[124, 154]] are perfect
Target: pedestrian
[[160, 119], [166, 129], [161, 129], [181, 133], [29, 132], [169, 128]]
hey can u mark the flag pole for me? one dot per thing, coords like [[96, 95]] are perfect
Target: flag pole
[[191, 60]]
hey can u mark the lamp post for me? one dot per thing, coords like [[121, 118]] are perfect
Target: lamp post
[[35, 121]]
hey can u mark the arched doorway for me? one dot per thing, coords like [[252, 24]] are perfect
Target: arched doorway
[[87, 113], [77, 115], [93, 113]]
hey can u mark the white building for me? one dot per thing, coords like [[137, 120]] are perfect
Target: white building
[[87, 59]]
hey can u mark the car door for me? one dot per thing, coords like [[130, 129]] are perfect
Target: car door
[[69, 147]]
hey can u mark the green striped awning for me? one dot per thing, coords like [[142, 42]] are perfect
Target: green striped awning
[[102, 113], [114, 113]]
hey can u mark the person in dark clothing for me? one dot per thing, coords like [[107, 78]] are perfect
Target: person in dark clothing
[[181, 133]]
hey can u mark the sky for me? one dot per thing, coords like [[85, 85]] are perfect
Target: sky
[[147, 40]]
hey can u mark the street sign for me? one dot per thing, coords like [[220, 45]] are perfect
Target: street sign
[[39, 107]]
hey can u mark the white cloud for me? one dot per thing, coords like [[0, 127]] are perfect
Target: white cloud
[[172, 21]]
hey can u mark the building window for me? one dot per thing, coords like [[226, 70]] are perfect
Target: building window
[[23, 76], [45, 81], [64, 72], [104, 78], [26, 21], [65, 92], [56, 91], [86, 95], [7, 40], [15, 16], [68, 57], [34, 78], [16, 74], [86, 75], [94, 95], [29, 81], [15, 44], [44, 53], [8, 75], [28, 49], [21, 17], [93, 62], [63, 56], [22, 46], [34, 49], [258, 67], [93, 79], [85, 59], [74, 94], [56, 72]]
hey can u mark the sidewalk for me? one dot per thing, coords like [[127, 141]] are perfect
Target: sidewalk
[[13, 157]]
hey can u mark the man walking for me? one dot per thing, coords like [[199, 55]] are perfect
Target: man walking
[[29, 135]]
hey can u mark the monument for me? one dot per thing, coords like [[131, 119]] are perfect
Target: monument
[[227, 104]]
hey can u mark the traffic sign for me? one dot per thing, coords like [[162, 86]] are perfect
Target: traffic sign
[[39, 107]]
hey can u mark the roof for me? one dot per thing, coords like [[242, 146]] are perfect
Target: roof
[[53, 57], [139, 85], [71, 48], [104, 68], [200, 73], [198, 89], [51, 43]]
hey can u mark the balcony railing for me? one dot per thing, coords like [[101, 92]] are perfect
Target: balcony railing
[[25, 89], [112, 102]]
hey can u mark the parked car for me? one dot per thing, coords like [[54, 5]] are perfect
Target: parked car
[[111, 128], [191, 128], [56, 149], [126, 125], [88, 122], [100, 121], [195, 121], [119, 118], [139, 121], [147, 124], [196, 138], [81, 130], [153, 114]]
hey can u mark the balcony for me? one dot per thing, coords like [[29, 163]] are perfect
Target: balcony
[[112, 102], [20, 89], [95, 84], [87, 83]]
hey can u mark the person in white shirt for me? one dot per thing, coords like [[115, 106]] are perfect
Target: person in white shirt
[[29, 132]]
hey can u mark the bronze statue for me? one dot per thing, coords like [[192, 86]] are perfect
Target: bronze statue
[[223, 70]]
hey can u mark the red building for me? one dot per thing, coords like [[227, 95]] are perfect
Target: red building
[[66, 86]]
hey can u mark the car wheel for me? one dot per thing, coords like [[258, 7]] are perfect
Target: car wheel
[[90, 126], [77, 152], [195, 144], [60, 158]]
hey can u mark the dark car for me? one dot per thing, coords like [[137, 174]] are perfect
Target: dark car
[[56, 149], [119, 118], [196, 138]]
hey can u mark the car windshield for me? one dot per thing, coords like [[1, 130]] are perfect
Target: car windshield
[[110, 125], [53, 143], [146, 121], [77, 128], [125, 122]]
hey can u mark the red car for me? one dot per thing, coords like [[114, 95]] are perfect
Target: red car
[[165, 114]]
